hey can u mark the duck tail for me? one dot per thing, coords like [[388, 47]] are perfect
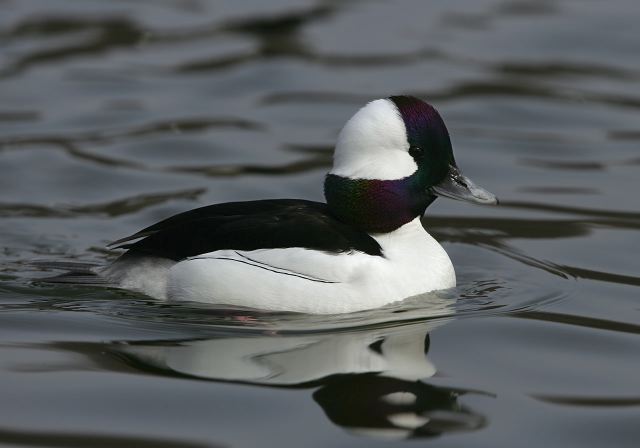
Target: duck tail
[[76, 272]]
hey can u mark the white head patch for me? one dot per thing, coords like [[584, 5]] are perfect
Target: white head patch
[[373, 145]]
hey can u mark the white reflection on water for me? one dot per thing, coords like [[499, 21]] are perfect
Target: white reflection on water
[[369, 380]]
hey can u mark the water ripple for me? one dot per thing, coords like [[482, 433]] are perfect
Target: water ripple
[[83, 439], [118, 207]]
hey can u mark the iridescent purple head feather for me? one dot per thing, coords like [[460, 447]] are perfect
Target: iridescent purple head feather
[[427, 132], [392, 159]]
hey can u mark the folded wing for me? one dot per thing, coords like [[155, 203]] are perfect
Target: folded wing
[[246, 226]]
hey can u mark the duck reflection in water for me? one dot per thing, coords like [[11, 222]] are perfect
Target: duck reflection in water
[[367, 380]]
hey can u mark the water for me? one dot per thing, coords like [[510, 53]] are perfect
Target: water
[[116, 114]]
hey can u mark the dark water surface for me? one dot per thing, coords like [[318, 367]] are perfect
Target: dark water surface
[[115, 114]]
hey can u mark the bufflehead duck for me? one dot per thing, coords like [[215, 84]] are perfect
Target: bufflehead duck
[[364, 248]]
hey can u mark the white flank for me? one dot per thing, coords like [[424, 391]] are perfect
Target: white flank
[[297, 279], [309, 281]]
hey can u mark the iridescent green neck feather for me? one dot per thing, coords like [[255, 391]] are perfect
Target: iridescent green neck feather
[[376, 206]]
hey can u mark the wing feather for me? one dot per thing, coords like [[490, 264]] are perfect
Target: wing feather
[[251, 225]]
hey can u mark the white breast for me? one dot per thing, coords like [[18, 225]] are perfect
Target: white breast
[[303, 280]]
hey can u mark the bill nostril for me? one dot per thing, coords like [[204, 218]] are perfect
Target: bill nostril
[[460, 181]]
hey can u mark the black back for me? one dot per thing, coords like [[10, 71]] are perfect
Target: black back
[[266, 224]]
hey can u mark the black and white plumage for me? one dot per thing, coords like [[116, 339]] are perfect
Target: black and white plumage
[[363, 249], [247, 226]]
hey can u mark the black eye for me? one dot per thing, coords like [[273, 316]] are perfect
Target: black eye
[[415, 151]]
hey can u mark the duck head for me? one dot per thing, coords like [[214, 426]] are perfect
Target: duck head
[[392, 159]]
